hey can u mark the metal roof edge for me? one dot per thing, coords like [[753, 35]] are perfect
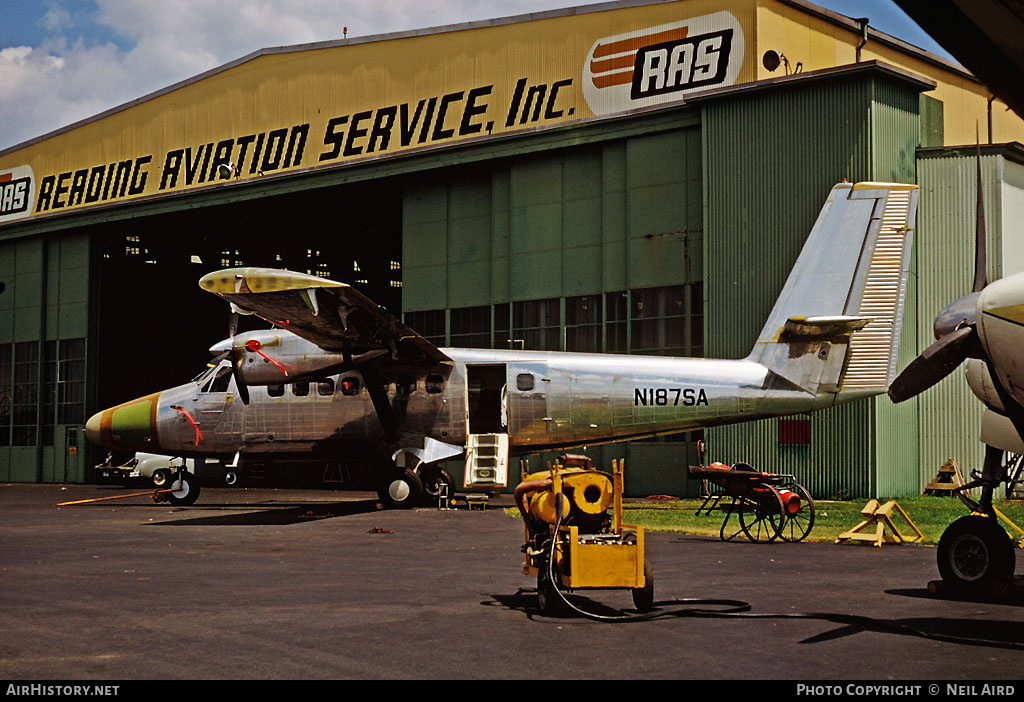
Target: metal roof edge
[[313, 46], [1012, 150], [922, 83], [880, 36]]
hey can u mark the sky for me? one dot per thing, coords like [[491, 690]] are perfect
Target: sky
[[62, 61]]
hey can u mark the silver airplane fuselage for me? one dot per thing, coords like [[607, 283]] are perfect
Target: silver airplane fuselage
[[542, 400]]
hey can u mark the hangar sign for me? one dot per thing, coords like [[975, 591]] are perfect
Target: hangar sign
[[310, 107]]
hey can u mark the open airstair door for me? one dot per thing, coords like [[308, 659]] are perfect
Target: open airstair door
[[487, 415]]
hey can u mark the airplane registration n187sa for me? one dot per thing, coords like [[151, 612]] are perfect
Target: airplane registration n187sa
[[339, 376]]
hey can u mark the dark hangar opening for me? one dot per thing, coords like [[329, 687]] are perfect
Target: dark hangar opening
[[155, 325]]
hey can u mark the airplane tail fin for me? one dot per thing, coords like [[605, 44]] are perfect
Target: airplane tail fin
[[836, 325]]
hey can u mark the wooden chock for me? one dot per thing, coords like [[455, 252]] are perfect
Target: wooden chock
[[878, 528], [946, 480]]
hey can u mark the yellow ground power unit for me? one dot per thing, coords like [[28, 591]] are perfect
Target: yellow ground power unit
[[574, 535]]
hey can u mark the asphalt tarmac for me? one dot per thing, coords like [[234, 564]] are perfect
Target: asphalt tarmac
[[290, 584]]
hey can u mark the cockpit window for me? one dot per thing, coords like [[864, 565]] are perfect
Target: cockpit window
[[204, 375], [219, 382]]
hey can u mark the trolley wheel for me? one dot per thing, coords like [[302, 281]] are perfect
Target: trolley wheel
[[643, 597], [186, 490], [160, 477], [548, 600], [797, 526], [761, 516], [974, 554]]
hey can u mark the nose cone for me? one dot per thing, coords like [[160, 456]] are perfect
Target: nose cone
[[92, 428], [131, 425]]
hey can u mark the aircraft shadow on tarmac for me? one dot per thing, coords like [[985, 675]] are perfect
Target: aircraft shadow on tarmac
[[971, 632], [274, 513]]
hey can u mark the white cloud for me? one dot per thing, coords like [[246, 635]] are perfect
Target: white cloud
[[65, 79]]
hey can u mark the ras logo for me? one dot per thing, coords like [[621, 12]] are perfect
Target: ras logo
[[661, 64], [681, 65], [16, 191]]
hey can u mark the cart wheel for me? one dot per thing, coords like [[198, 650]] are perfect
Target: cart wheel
[[643, 597], [761, 515], [797, 526]]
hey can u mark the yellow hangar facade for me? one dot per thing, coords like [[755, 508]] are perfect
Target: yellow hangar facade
[[629, 177]]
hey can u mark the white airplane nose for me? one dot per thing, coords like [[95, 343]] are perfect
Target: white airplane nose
[[92, 428]]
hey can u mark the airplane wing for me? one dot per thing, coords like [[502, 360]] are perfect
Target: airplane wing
[[334, 316]]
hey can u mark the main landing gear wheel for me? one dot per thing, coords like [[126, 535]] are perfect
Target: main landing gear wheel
[[403, 489], [974, 554], [186, 490], [798, 525]]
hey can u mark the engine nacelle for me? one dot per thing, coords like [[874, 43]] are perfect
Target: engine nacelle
[[272, 356], [980, 382]]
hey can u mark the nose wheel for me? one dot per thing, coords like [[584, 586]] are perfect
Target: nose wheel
[[184, 490]]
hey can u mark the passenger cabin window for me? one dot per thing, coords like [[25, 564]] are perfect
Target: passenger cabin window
[[325, 387], [405, 386], [275, 390], [524, 382], [350, 386], [300, 389], [434, 384]]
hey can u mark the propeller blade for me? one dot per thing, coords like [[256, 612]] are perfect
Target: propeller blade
[[935, 363], [980, 258], [243, 389]]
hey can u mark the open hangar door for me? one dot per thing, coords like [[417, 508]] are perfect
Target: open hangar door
[[155, 325]]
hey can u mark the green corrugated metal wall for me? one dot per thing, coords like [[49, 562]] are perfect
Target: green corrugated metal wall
[[950, 415], [590, 219], [771, 158], [48, 300]]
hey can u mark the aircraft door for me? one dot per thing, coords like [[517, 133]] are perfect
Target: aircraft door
[[487, 398], [212, 402], [528, 386]]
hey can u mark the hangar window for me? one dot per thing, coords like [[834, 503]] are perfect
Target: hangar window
[[471, 327], [429, 324], [616, 305], [6, 354], [25, 395], [325, 387], [275, 390], [301, 388], [537, 324], [583, 323], [63, 386]]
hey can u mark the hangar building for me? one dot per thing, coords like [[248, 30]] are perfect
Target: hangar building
[[635, 176]]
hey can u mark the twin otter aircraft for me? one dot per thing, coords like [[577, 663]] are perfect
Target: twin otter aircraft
[[338, 376]]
